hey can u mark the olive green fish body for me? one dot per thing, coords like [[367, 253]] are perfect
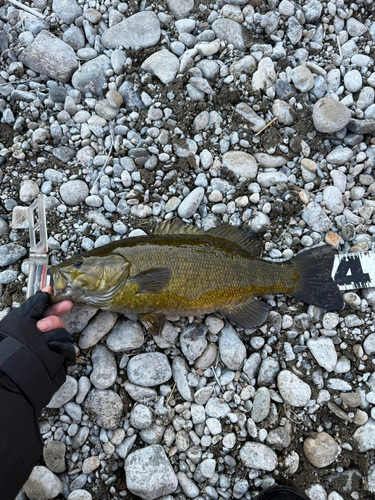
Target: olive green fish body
[[186, 272]]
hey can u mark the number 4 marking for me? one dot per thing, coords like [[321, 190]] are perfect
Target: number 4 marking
[[350, 271]]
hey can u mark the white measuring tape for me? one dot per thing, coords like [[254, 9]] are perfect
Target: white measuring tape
[[354, 270]]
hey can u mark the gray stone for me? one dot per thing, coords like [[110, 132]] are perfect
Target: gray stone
[[353, 80], [138, 393], [8, 276], [313, 11], [141, 29], [193, 341], [74, 192], [125, 335], [162, 64], [355, 28], [78, 317], [190, 204], [104, 371], [302, 78], [149, 473], [141, 417], [66, 392], [330, 116], [105, 110], [180, 376], [261, 405], [258, 456], [241, 164], [149, 369], [293, 390], [11, 253], [54, 456], [321, 449], [105, 408], [50, 56], [217, 408], [361, 126], [63, 153], [66, 10], [229, 31], [231, 348], [365, 436], [340, 156], [92, 75], [315, 218], [268, 371], [323, 350], [42, 484], [74, 37], [332, 198]]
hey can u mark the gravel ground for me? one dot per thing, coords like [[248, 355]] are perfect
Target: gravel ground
[[126, 114]]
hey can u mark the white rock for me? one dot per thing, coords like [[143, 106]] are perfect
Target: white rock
[[323, 350], [293, 390]]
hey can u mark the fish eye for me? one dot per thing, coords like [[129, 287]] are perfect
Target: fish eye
[[78, 263]]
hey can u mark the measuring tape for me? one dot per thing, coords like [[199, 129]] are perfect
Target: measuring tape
[[354, 270]]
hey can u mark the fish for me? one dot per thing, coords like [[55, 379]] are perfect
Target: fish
[[182, 270]]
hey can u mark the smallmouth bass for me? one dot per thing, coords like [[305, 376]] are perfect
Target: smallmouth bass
[[186, 271]]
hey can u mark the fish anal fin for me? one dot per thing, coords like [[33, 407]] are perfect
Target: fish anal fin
[[248, 240], [250, 314], [153, 322], [153, 280]]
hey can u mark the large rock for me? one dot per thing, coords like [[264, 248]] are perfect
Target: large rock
[[42, 484], [50, 56], [241, 164], [142, 29], [162, 64], [66, 10], [330, 115], [92, 77], [105, 408], [149, 474]]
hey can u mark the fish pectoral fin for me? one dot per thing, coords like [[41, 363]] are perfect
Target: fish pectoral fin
[[251, 314], [153, 280], [153, 322]]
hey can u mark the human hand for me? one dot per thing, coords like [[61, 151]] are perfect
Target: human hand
[[51, 320]]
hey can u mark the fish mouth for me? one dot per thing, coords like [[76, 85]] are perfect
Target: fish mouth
[[62, 288]]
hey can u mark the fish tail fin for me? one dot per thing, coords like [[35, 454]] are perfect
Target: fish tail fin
[[315, 285]]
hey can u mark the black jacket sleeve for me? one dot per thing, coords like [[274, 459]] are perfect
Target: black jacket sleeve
[[32, 367]]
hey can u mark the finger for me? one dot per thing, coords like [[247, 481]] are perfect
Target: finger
[[58, 309], [48, 289], [50, 323]]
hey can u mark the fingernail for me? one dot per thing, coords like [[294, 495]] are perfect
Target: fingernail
[[44, 325]]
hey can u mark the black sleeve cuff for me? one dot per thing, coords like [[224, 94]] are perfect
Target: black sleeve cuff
[[24, 367]]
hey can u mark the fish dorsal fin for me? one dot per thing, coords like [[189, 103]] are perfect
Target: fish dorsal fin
[[246, 239], [153, 322], [251, 314], [152, 280], [176, 226]]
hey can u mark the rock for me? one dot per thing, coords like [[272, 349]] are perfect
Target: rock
[[365, 436], [217, 408], [332, 198], [293, 390], [149, 474], [302, 78], [264, 76], [270, 161], [261, 405], [149, 369], [330, 116], [11, 253], [92, 75], [340, 156], [361, 126], [125, 335], [232, 350], [97, 329], [190, 204], [66, 392], [54, 456], [314, 217], [29, 191], [321, 449], [79, 495], [104, 407], [66, 10], [323, 350], [255, 121], [258, 456], [193, 341], [42, 484], [77, 318], [50, 56], [180, 376], [241, 164], [162, 64], [141, 417], [313, 11], [229, 31], [180, 8], [355, 28], [353, 80], [104, 371], [268, 179], [74, 192]]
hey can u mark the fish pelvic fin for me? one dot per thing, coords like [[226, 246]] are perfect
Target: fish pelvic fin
[[153, 322], [250, 314], [315, 284]]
